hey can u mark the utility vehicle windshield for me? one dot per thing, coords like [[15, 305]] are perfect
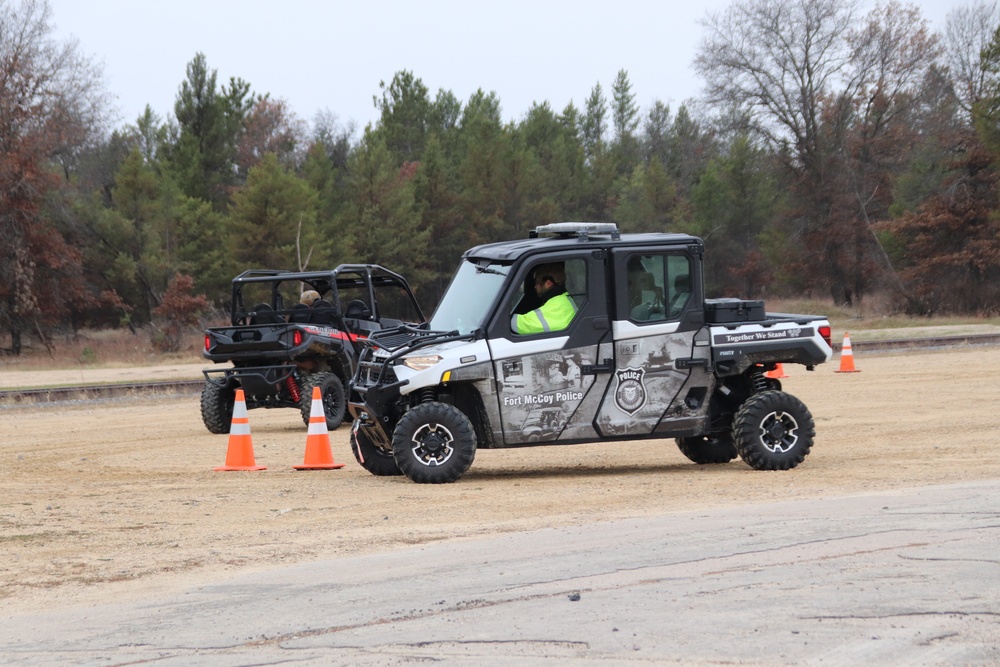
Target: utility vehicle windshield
[[471, 293]]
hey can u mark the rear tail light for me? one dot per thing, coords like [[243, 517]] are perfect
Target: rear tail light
[[297, 337], [826, 332], [208, 342]]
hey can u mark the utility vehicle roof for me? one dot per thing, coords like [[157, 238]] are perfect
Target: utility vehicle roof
[[348, 272], [573, 235]]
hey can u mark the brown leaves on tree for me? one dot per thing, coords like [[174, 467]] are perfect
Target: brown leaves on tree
[[179, 311], [51, 100], [950, 258]]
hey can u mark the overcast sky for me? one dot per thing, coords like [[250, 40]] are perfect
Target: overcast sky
[[330, 55]]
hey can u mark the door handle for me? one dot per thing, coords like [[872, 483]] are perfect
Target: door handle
[[606, 367]]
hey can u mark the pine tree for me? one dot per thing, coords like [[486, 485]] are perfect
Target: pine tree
[[210, 122], [269, 216], [382, 208]]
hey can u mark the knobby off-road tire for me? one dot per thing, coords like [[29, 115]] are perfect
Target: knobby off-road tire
[[434, 443], [217, 407], [373, 458], [773, 431], [712, 448], [334, 398]]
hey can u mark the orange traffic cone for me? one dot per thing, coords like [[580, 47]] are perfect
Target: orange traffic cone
[[847, 357], [777, 374], [240, 453], [319, 456]]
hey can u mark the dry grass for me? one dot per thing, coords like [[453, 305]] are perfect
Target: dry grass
[[98, 349], [872, 314]]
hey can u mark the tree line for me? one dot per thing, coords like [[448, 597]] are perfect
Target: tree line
[[838, 152]]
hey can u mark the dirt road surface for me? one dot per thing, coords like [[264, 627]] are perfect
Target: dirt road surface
[[115, 500]]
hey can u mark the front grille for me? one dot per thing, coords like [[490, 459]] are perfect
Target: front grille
[[368, 374]]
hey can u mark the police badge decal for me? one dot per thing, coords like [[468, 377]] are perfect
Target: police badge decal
[[631, 393]]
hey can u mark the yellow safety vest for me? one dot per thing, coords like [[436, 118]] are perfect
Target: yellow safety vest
[[554, 315]]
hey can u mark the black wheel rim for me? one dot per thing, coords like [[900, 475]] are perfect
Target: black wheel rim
[[432, 444], [331, 403], [779, 432]]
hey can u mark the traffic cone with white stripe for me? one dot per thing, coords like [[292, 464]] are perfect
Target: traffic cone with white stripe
[[239, 456], [777, 374], [847, 357], [319, 456]]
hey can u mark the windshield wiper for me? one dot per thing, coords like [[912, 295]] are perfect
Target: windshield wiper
[[405, 339], [485, 269]]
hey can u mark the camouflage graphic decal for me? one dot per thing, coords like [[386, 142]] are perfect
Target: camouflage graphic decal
[[538, 394], [634, 403]]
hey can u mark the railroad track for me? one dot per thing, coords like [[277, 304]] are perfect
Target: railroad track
[[98, 391], [13, 397]]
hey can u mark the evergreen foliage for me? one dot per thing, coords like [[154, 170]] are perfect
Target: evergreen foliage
[[869, 166]]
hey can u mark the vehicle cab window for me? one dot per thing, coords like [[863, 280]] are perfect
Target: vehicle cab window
[[551, 295], [658, 287]]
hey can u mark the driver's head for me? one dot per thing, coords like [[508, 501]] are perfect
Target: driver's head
[[547, 275], [308, 297]]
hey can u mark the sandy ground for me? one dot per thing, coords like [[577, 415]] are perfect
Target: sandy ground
[[115, 500]]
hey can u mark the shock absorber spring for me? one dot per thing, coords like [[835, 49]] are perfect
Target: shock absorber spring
[[427, 395], [758, 381], [293, 388]]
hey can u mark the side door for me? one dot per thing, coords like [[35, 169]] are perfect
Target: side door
[[661, 382], [549, 384]]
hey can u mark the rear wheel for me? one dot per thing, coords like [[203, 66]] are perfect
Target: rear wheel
[[332, 391], [434, 443], [773, 431], [711, 448], [217, 406], [374, 459]]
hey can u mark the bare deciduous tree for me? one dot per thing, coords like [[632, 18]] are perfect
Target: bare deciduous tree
[[52, 103], [892, 55], [781, 59], [831, 98], [968, 31]]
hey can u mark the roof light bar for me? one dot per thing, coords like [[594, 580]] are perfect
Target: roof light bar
[[581, 230]]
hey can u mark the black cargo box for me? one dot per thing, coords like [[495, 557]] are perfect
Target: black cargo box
[[724, 311]]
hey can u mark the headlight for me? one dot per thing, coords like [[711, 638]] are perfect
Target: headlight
[[421, 363]]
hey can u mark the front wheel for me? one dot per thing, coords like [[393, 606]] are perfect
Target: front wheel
[[712, 448], [334, 398], [374, 459], [773, 431], [434, 443]]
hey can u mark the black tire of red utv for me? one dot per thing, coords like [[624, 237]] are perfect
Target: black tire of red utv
[[773, 430], [712, 448], [375, 460], [334, 398], [217, 407], [415, 437]]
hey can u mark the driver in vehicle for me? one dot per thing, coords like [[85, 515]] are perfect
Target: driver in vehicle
[[557, 309]]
